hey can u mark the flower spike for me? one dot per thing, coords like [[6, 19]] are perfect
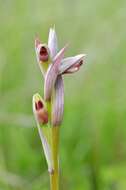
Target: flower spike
[[49, 112]]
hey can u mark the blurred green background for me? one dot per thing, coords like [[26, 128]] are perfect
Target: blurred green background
[[93, 134]]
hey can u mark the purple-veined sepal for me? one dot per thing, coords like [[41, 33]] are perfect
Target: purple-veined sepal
[[57, 102], [52, 73], [52, 42], [71, 64]]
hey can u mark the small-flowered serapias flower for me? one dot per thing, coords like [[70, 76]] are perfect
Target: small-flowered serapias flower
[[49, 112], [41, 116]]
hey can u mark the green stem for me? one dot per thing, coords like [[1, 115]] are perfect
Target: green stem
[[54, 176]]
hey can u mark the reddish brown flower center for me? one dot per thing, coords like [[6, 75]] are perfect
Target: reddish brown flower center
[[43, 51], [73, 68], [43, 54], [81, 63], [77, 65], [39, 105]]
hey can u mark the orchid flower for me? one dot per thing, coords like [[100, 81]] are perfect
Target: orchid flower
[[45, 52], [41, 116], [49, 111]]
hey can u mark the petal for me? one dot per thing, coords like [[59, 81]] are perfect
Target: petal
[[37, 42], [52, 74], [58, 102], [52, 42], [71, 62]]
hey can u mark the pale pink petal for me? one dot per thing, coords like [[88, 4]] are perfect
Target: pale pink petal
[[71, 63], [52, 74], [58, 102], [52, 42]]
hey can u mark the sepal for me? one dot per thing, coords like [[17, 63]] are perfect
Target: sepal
[[58, 102], [71, 64], [52, 74], [52, 42]]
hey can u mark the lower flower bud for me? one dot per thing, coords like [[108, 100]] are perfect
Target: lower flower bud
[[40, 110]]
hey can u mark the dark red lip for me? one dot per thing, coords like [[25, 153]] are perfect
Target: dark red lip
[[43, 54], [39, 105]]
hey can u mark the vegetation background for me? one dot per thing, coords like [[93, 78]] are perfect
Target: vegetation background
[[93, 134]]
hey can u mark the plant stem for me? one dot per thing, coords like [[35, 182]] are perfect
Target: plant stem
[[54, 176]]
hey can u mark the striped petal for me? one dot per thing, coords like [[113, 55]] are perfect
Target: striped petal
[[71, 64], [52, 42], [52, 74], [58, 102]]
